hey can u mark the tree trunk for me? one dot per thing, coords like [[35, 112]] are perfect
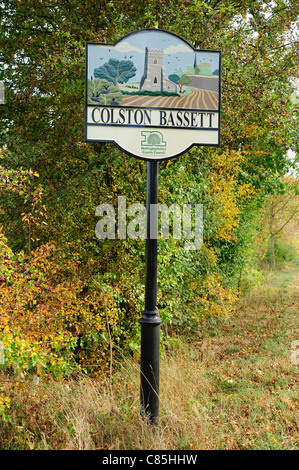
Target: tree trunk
[[271, 251]]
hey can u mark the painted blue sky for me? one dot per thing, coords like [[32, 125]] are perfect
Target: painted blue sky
[[177, 53]]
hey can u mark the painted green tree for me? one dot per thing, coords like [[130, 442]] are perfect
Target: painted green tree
[[174, 77], [103, 92], [116, 71], [184, 80]]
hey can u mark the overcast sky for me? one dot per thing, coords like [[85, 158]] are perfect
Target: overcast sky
[[177, 53]]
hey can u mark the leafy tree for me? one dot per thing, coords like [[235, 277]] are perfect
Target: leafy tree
[[184, 80], [116, 71], [103, 92], [174, 77], [279, 211], [204, 68]]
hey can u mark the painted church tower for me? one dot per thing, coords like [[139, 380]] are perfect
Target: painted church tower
[[153, 78]]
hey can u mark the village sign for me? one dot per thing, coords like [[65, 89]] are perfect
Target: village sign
[[152, 94]]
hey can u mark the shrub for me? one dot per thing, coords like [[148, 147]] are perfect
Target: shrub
[[283, 253]]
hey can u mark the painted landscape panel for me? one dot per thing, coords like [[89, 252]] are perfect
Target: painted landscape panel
[[153, 69]]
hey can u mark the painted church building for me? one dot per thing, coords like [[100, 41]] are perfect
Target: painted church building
[[153, 78]]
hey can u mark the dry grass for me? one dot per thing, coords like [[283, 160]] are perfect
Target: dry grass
[[237, 389]]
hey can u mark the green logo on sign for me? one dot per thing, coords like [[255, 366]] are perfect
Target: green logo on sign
[[152, 139]]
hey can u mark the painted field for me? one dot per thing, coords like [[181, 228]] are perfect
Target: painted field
[[198, 99]]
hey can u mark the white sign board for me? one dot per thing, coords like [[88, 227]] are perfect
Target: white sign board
[[152, 94]]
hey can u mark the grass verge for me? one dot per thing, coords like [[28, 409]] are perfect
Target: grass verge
[[236, 389]]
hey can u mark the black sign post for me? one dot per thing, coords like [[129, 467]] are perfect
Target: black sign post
[[150, 321]]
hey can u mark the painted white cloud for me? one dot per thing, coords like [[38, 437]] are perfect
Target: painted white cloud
[[176, 49], [126, 47]]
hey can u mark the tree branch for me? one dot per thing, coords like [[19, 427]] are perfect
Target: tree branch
[[289, 219]]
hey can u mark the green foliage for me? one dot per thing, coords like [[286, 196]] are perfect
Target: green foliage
[[283, 253], [51, 181], [4, 407]]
